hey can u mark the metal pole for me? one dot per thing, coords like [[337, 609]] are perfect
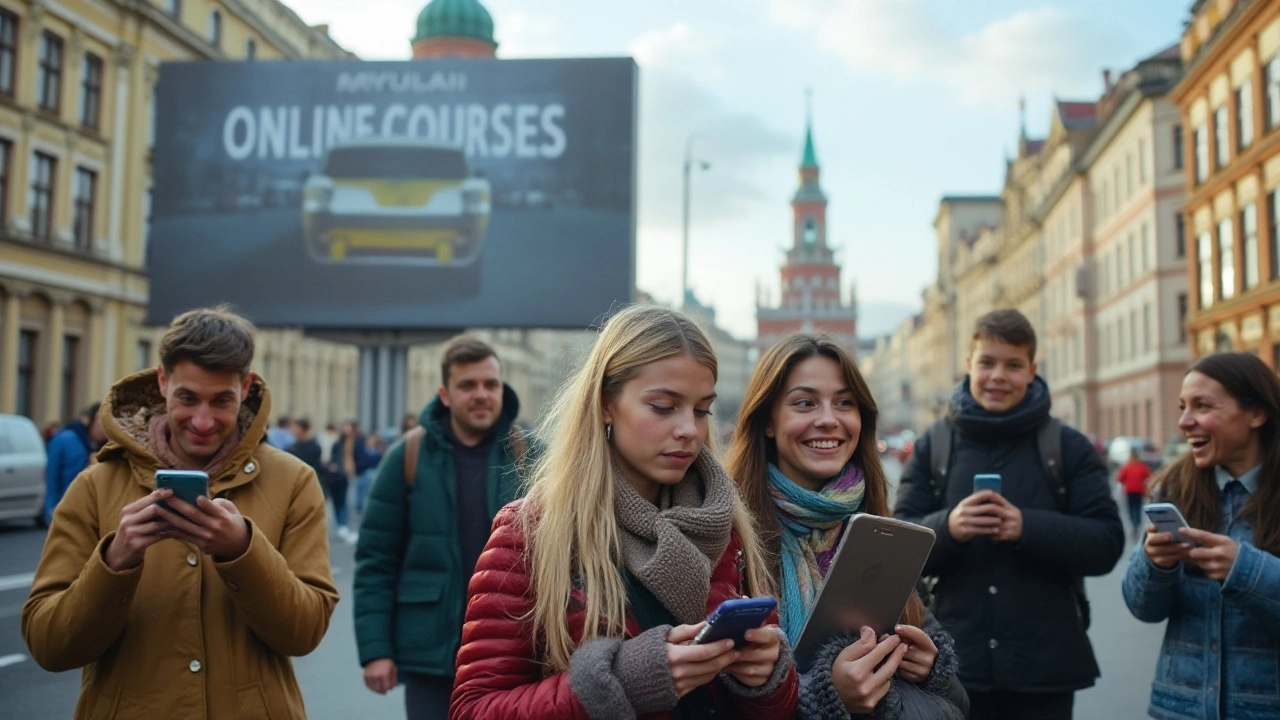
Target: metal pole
[[684, 265]]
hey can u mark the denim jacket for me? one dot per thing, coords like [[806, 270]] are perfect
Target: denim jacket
[[1221, 652]]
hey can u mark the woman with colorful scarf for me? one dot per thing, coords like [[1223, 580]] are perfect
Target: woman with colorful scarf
[[805, 461]]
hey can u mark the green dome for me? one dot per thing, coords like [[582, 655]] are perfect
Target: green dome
[[455, 18]]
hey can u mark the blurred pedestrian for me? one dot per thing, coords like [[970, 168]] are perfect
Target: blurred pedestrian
[[281, 436], [408, 422], [1133, 477], [375, 447], [186, 611], [426, 522], [68, 453], [305, 447], [348, 458]]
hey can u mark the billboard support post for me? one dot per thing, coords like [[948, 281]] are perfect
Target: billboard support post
[[384, 385]]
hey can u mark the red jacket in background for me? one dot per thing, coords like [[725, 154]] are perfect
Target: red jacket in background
[[499, 676], [1133, 477]]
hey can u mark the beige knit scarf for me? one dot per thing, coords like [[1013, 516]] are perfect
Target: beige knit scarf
[[158, 436], [672, 547]]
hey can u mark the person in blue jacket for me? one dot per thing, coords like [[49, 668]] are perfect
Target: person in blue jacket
[[1220, 596], [68, 453]]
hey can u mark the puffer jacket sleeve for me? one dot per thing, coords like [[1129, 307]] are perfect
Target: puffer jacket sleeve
[[78, 606], [916, 503], [286, 594], [498, 674], [379, 555]]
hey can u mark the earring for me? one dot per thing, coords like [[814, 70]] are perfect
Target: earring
[[608, 431]]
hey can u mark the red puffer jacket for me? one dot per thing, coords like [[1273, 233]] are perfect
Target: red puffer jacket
[[499, 676]]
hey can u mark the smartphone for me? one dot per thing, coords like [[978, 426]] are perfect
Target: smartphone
[[185, 484], [1168, 518], [987, 481], [734, 618]]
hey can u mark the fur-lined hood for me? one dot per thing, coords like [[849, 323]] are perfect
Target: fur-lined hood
[[133, 401]]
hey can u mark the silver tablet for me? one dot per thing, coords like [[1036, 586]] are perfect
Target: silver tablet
[[871, 578]]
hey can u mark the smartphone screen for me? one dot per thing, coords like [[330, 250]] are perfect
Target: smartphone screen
[[987, 481], [1167, 518]]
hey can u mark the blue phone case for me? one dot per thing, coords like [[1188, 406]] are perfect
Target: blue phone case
[[186, 484], [733, 618], [987, 481]]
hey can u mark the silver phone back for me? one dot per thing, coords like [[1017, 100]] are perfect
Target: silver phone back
[[872, 575]]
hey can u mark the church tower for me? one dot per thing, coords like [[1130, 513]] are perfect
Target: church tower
[[811, 292]]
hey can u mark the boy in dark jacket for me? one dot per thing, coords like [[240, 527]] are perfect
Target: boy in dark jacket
[[1008, 563]]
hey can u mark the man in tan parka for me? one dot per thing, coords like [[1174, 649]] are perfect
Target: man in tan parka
[[191, 612]]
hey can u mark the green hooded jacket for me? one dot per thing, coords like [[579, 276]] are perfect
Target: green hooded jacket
[[409, 584]]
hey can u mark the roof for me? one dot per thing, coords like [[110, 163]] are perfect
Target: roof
[[455, 18], [1077, 115], [810, 158]]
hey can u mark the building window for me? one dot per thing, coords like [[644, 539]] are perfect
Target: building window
[[1129, 260], [1204, 255], [91, 91], [1142, 161], [173, 7], [1221, 139], [1122, 350], [1202, 154], [1249, 227], [1177, 146], [49, 75], [215, 28], [1227, 258], [1273, 201], [1151, 428], [8, 51], [1271, 74], [6, 151], [1180, 235], [1146, 247], [1146, 327], [85, 190], [1183, 309], [43, 172], [70, 368], [250, 49], [25, 393], [1244, 115], [143, 360]]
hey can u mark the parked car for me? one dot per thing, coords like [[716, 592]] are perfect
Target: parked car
[[1118, 451], [396, 201], [22, 461]]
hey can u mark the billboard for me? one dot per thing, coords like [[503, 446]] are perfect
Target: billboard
[[411, 195]]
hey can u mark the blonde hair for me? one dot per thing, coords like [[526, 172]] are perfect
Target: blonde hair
[[569, 516]]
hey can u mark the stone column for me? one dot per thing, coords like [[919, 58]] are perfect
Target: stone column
[[97, 352], [9, 348], [52, 363]]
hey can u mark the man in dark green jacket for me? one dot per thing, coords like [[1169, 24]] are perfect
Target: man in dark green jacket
[[421, 535]]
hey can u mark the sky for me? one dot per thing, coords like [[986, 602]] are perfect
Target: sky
[[912, 100]]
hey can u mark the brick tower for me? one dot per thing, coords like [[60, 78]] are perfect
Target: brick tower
[[811, 293]]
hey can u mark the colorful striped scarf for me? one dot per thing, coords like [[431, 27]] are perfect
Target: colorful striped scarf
[[812, 524]]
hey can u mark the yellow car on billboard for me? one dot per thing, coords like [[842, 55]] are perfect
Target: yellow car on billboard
[[395, 201]]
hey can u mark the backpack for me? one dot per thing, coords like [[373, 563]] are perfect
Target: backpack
[[1049, 445]]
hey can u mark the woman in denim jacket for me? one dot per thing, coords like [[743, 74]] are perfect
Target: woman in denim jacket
[[1221, 653]]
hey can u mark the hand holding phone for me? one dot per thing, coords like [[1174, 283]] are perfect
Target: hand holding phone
[[733, 618]]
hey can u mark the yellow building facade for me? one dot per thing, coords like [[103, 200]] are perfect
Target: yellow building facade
[[76, 114]]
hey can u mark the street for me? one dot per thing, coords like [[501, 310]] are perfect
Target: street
[[333, 688]]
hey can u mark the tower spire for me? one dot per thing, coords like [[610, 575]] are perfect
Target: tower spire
[[1022, 117], [810, 158]]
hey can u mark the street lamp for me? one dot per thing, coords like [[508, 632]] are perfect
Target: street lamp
[[688, 169]]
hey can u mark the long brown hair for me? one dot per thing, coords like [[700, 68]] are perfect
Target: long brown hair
[[1195, 491], [752, 449]]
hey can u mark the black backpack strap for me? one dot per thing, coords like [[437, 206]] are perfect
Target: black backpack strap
[[939, 456], [1049, 443]]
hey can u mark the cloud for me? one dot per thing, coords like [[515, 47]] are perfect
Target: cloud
[[1036, 50]]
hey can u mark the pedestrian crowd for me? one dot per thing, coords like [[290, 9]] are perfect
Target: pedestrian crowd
[[570, 571]]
